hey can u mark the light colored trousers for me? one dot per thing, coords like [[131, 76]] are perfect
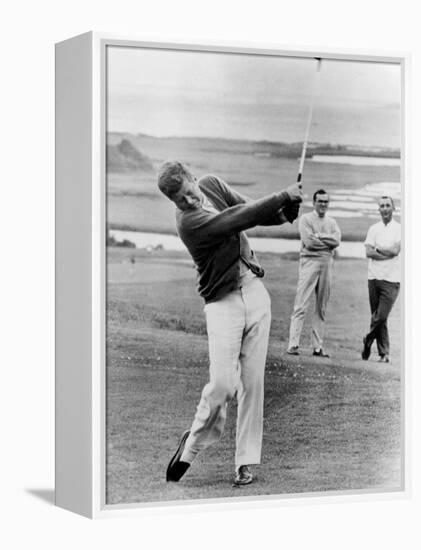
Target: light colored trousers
[[238, 331], [315, 275]]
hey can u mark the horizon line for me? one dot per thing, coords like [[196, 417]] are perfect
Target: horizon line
[[246, 140]]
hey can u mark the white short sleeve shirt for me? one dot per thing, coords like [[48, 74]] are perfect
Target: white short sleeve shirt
[[384, 236]]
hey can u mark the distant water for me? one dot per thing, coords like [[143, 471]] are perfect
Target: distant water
[[357, 160], [276, 246], [362, 202]]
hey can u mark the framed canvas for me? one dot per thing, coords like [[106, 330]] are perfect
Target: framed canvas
[[267, 131]]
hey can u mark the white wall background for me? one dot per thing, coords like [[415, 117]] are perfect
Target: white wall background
[[28, 33]]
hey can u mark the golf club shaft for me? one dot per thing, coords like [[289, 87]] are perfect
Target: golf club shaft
[[309, 119]]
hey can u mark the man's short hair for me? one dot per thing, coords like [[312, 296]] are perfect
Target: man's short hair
[[171, 176], [389, 198], [318, 192]]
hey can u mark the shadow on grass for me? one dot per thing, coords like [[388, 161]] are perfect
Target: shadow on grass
[[47, 495]]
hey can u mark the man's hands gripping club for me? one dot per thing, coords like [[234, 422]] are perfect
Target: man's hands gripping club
[[292, 209]]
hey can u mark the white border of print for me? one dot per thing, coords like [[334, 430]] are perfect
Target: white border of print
[[269, 49], [98, 284]]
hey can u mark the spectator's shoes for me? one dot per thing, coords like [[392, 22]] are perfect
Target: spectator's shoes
[[177, 468], [293, 350], [320, 353], [243, 476], [384, 359], [365, 354]]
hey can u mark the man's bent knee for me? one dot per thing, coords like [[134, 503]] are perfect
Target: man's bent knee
[[219, 393]]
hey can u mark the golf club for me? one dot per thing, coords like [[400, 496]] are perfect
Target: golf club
[[309, 119]]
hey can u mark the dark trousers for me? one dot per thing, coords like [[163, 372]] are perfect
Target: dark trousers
[[382, 296]]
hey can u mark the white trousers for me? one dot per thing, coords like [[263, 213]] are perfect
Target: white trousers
[[238, 331], [315, 275]]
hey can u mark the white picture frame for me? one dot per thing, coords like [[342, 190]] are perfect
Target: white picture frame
[[81, 264]]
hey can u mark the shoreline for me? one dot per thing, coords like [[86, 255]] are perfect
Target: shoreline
[[151, 241], [291, 236], [314, 147]]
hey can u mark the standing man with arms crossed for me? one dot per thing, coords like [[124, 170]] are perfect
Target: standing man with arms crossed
[[383, 245], [320, 235], [210, 219]]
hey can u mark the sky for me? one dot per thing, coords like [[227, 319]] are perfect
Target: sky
[[177, 93]]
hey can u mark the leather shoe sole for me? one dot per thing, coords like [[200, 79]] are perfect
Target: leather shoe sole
[[177, 468]]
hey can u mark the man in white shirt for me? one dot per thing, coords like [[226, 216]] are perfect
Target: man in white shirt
[[320, 235], [383, 245]]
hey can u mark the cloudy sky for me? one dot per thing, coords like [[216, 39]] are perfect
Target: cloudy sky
[[173, 93]]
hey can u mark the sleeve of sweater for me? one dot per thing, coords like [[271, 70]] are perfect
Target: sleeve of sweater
[[204, 227], [215, 186]]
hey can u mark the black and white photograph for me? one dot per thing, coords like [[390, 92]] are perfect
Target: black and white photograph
[[254, 309], [210, 318]]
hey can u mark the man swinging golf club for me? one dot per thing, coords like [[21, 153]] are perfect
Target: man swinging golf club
[[210, 220]]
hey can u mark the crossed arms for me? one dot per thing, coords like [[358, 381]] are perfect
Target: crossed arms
[[382, 253], [318, 241]]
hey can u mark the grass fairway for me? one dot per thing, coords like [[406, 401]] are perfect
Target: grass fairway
[[330, 424]]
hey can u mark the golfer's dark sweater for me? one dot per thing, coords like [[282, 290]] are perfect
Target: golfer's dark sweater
[[215, 240]]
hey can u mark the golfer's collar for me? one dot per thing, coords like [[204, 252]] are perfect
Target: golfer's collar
[[206, 204]]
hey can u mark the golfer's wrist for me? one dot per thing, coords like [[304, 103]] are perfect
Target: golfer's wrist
[[292, 196], [284, 197]]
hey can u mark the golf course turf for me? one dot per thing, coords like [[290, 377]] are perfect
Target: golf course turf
[[329, 424]]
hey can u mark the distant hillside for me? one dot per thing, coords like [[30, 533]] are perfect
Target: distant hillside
[[125, 157], [264, 148]]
